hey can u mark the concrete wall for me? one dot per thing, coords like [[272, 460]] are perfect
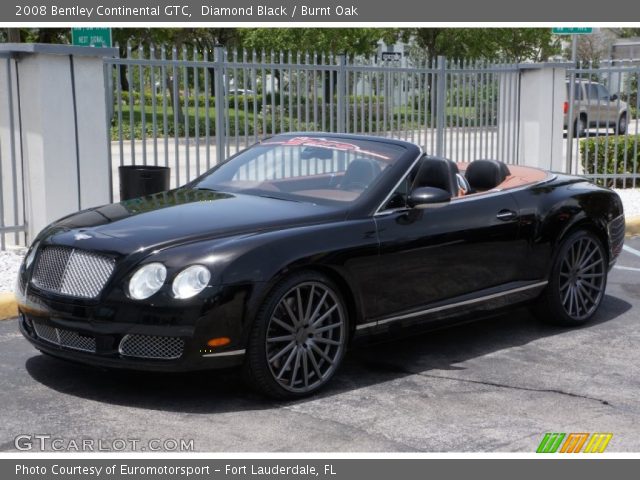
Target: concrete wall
[[64, 129]]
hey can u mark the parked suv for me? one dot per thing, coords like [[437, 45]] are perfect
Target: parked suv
[[594, 106]]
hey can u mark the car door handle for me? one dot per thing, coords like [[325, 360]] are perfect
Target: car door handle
[[505, 215]]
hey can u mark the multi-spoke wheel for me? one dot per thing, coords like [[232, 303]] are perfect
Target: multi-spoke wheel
[[299, 337], [578, 280]]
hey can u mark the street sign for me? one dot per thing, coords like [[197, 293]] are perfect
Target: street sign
[[572, 30], [391, 56], [91, 37]]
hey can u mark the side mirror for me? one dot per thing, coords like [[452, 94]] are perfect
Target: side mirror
[[613, 97], [424, 196]]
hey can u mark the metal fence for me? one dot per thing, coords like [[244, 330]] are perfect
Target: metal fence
[[12, 219], [604, 133], [188, 109]]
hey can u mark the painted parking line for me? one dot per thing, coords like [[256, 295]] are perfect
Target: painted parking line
[[629, 249], [633, 269]]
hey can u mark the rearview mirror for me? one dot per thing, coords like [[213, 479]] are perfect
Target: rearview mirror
[[423, 196], [613, 97]]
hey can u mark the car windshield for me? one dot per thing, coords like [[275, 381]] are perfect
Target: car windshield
[[305, 168]]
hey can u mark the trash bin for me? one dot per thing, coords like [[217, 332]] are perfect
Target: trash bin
[[141, 180]]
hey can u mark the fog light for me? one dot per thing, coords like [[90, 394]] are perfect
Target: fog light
[[219, 342]]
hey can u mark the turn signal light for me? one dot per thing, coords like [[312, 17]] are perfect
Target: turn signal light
[[219, 342]]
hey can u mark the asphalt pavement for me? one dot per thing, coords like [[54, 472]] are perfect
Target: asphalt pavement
[[493, 385]]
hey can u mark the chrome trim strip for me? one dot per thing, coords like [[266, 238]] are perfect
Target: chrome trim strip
[[225, 354], [451, 305], [366, 325], [386, 199]]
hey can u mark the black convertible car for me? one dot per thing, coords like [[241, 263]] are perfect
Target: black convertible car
[[281, 256]]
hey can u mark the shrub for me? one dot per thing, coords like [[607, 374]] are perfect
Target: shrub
[[611, 155], [148, 100]]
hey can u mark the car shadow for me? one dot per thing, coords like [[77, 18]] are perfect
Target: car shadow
[[220, 391]]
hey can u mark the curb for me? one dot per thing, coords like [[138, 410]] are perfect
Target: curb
[[632, 226], [8, 306]]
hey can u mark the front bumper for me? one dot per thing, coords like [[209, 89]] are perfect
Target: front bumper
[[149, 338], [112, 359]]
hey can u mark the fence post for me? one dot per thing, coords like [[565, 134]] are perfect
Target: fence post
[[11, 196], [221, 102], [340, 105], [440, 105], [571, 110]]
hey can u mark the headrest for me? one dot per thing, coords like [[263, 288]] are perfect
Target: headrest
[[437, 172], [486, 174], [360, 173]]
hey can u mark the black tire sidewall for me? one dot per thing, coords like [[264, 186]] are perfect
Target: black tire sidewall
[[619, 129]]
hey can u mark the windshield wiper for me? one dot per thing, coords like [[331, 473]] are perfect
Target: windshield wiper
[[278, 198]]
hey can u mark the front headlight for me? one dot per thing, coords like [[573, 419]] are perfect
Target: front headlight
[[32, 254], [147, 280], [191, 281]]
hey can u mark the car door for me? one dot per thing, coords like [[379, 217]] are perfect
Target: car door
[[608, 107], [434, 254], [595, 115]]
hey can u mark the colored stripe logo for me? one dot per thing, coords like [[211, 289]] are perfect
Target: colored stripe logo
[[574, 442]]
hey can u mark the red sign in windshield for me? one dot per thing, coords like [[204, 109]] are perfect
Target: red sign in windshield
[[326, 143]]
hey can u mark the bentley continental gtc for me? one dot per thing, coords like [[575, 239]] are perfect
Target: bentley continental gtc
[[279, 258]]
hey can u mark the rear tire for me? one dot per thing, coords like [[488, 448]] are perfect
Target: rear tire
[[299, 337], [621, 128], [577, 281], [580, 126]]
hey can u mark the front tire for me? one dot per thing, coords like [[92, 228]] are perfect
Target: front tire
[[577, 282], [299, 337]]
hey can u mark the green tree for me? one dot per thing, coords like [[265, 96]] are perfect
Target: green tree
[[510, 44], [352, 41]]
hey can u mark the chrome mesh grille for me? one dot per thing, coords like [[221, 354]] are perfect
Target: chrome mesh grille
[[65, 338], [146, 346], [72, 272]]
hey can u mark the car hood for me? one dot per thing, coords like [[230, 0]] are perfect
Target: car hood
[[181, 216]]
